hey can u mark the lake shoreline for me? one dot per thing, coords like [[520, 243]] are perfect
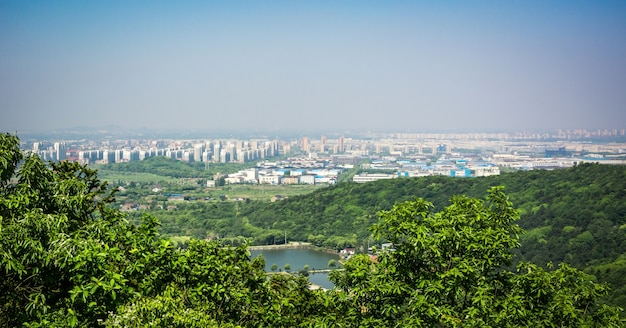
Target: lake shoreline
[[293, 245], [290, 245]]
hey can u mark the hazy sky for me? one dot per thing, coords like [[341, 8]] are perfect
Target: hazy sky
[[332, 65]]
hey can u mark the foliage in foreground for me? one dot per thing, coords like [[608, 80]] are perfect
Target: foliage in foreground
[[447, 268], [68, 260]]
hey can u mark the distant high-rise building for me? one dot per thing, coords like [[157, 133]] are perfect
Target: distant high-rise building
[[240, 155], [217, 152], [188, 156], [170, 153], [198, 150], [341, 148], [224, 156], [130, 155], [61, 151], [232, 152], [206, 156], [119, 155], [305, 144], [109, 156]]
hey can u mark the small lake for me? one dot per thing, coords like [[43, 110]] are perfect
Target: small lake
[[297, 259]]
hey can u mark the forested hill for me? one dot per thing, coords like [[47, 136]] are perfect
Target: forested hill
[[575, 215], [555, 205]]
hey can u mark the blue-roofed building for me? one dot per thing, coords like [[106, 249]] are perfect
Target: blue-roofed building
[[282, 172]]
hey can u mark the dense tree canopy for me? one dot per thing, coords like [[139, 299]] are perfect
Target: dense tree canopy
[[449, 269], [69, 260]]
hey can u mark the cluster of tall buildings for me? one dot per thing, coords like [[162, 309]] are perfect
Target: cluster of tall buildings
[[413, 146], [217, 151], [54, 152], [324, 145], [210, 151]]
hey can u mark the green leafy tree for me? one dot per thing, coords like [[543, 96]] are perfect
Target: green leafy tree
[[449, 269], [69, 260], [332, 263]]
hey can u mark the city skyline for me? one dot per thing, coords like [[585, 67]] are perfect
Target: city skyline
[[322, 66], [458, 155]]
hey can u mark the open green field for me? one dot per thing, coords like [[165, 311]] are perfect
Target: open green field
[[169, 175], [265, 192], [190, 187], [114, 177]]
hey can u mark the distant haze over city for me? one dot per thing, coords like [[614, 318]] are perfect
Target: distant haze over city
[[410, 66]]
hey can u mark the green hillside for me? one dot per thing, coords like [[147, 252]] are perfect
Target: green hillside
[[576, 215]]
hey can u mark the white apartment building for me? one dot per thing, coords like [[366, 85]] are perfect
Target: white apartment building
[[269, 179], [307, 179]]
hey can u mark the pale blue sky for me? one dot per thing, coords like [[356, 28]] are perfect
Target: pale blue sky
[[331, 65]]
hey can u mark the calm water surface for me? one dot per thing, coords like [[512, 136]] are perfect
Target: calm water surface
[[297, 259]]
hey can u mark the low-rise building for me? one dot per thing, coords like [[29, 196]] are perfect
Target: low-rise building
[[269, 179], [307, 179], [291, 180], [365, 177]]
